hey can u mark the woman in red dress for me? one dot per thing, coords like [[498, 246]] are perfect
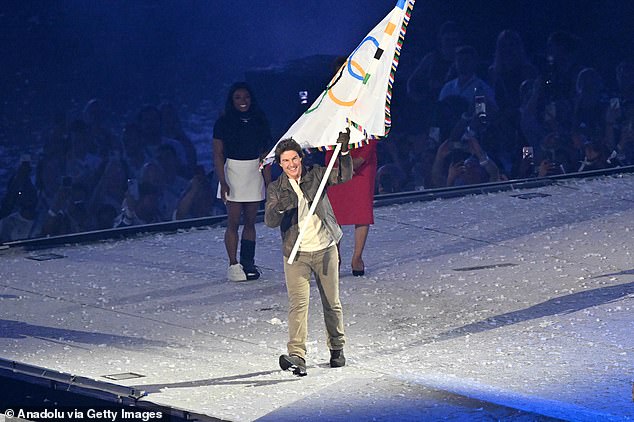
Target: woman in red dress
[[352, 201]]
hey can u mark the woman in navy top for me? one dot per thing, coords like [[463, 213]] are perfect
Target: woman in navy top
[[241, 137]]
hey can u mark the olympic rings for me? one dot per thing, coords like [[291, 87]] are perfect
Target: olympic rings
[[361, 75]]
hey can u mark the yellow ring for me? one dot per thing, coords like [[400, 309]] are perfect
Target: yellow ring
[[336, 100]]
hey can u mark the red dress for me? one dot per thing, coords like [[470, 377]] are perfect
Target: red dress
[[352, 201]]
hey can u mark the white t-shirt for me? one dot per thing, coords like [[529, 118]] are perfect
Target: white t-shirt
[[316, 237]]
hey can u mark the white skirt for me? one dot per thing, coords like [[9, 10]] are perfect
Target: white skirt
[[245, 181]]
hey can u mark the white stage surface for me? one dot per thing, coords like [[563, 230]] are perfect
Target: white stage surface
[[514, 305]]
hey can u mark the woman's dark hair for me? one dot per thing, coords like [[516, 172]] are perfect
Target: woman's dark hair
[[231, 110]]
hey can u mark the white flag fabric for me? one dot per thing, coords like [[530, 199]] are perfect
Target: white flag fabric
[[359, 95]]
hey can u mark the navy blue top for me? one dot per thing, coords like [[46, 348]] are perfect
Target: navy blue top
[[244, 136]]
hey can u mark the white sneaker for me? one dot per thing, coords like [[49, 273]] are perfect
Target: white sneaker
[[236, 273]]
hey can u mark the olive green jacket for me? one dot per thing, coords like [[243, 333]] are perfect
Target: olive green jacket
[[281, 192]]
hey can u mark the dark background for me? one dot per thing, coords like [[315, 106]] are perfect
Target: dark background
[[57, 54]]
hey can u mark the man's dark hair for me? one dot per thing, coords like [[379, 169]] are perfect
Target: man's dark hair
[[288, 144]]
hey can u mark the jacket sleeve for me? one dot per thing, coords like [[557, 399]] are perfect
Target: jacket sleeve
[[278, 202], [343, 173]]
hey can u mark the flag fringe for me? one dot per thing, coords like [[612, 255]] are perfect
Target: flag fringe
[[395, 61]]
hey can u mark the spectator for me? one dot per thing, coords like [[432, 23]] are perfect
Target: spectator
[[140, 207], [449, 112], [101, 141], [509, 69], [109, 193], [389, 179], [590, 104], [68, 212], [81, 164], [198, 199], [437, 67], [395, 152], [149, 125], [540, 117], [153, 174], [21, 224], [463, 162], [422, 151], [467, 83], [16, 184], [56, 140], [172, 128], [597, 157], [173, 185], [476, 93], [417, 107], [48, 178], [620, 131], [561, 67], [555, 155], [135, 153]]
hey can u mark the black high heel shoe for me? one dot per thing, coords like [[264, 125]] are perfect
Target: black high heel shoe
[[358, 273]]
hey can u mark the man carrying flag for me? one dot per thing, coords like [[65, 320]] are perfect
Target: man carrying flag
[[288, 201], [357, 98], [359, 95]]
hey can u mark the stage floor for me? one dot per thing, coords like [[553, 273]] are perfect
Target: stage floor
[[515, 304]]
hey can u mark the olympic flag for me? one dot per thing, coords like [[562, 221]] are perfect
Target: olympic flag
[[358, 96], [360, 93]]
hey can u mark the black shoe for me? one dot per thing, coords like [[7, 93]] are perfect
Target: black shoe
[[359, 272], [337, 359], [294, 363], [251, 271], [247, 259]]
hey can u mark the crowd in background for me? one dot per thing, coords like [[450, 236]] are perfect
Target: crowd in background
[[87, 178], [462, 119], [459, 119]]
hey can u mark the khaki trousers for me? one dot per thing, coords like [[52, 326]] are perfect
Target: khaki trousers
[[324, 264]]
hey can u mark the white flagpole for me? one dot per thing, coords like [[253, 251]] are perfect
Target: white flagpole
[[313, 206]]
